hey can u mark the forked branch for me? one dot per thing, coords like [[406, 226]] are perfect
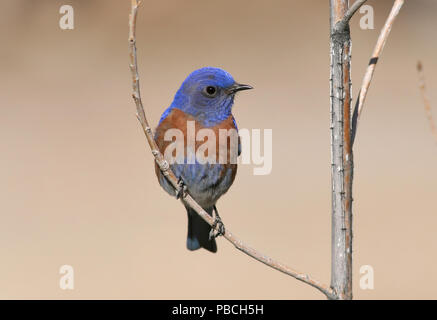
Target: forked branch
[[343, 130], [343, 23], [187, 199]]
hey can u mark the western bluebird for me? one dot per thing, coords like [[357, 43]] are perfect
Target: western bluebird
[[205, 98]]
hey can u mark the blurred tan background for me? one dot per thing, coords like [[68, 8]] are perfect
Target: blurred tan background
[[77, 178]]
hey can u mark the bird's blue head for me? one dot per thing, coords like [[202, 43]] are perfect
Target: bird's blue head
[[208, 95]]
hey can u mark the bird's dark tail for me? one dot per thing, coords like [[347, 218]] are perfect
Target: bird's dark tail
[[198, 232]]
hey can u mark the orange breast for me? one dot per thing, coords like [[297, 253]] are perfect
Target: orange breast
[[178, 119]]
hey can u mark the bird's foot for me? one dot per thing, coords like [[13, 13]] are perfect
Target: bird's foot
[[217, 228], [182, 192]]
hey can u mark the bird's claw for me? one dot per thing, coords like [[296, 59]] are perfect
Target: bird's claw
[[217, 228], [181, 193]]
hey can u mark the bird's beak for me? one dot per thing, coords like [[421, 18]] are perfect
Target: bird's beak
[[238, 87]]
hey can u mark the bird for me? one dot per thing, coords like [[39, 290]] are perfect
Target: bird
[[205, 98]]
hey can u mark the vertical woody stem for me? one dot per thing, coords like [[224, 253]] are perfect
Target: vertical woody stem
[[341, 153]]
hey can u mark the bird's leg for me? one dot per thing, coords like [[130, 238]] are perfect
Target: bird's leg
[[181, 193], [218, 224]]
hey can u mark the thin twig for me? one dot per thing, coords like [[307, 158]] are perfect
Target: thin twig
[[187, 199], [372, 64], [348, 15], [427, 103]]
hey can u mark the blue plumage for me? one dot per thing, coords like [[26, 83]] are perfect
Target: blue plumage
[[189, 97]]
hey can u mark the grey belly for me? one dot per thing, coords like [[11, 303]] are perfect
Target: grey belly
[[206, 183]]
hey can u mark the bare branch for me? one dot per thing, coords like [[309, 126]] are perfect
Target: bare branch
[[341, 25], [341, 153], [428, 110], [372, 64], [187, 199]]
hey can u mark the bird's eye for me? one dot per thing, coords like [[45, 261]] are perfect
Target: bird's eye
[[211, 91]]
